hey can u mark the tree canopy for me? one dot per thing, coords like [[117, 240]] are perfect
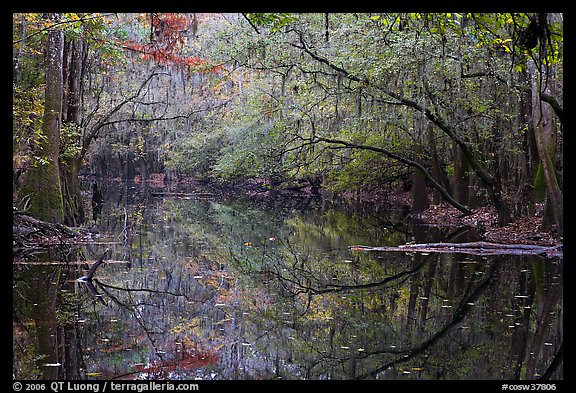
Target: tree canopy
[[463, 108]]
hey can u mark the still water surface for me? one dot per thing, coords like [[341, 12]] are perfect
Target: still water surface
[[204, 284]]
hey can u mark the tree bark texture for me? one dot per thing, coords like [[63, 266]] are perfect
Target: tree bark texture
[[70, 166], [42, 181], [544, 133], [74, 214]]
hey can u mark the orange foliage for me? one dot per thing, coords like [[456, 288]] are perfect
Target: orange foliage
[[167, 39]]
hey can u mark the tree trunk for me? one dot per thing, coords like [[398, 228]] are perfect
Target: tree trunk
[[70, 165], [461, 176], [18, 64], [75, 81], [547, 300], [419, 189], [74, 214], [525, 200], [436, 169], [45, 295], [545, 136], [42, 181]]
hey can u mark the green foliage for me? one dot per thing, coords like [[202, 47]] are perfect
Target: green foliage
[[273, 21], [70, 141], [303, 77], [361, 170], [197, 154], [27, 111], [250, 153]]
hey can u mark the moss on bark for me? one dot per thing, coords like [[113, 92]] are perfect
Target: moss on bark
[[42, 186]]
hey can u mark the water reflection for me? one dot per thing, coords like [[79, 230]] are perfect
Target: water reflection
[[211, 286]]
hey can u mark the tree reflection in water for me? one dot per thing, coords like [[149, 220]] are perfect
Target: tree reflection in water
[[223, 288]]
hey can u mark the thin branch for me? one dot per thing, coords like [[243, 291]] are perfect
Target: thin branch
[[94, 130], [164, 118], [144, 290], [251, 24], [58, 24], [476, 165]]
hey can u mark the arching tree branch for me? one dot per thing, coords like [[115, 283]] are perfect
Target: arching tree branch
[[404, 160]]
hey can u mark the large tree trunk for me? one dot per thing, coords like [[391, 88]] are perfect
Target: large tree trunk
[[545, 137], [70, 165], [75, 80], [42, 181]]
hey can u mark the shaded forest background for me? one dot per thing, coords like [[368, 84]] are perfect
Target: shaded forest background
[[461, 109]]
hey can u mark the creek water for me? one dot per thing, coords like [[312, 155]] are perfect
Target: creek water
[[205, 284]]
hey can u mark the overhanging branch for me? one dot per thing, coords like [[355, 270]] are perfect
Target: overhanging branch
[[475, 164], [404, 160]]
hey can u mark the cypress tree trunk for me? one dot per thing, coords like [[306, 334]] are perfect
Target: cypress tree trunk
[[544, 133], [70, 164], [42, 181]]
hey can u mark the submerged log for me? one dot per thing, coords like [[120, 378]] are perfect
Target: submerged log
[[88, 276], [474, 248]]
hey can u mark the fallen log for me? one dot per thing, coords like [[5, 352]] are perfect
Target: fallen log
[[474, 248], [31, 235]]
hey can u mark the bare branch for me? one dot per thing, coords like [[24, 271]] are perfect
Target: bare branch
[[105, 119]]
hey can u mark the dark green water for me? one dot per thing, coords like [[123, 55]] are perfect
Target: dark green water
[[213, 286]]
